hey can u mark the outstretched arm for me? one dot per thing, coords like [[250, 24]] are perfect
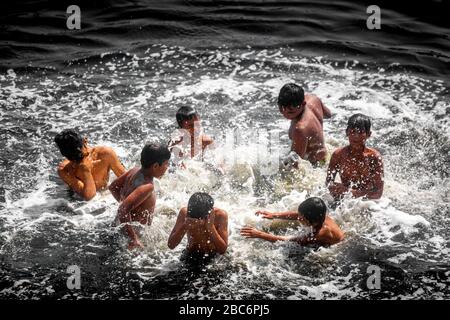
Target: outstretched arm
[[131, 202], [179, 230], [287, 215], [250, 232]]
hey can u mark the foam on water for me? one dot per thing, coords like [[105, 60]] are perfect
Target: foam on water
[[122, 100]]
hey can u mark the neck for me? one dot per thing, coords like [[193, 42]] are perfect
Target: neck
[[148, 174], [357, 149]]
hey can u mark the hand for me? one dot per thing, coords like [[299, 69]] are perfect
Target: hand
[[87, 163], [250, 232], [265, 214], [210, 219], [135, 244], [337, 189], [190, 223]]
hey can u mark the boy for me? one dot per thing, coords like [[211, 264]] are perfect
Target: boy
[[306, 113], [360, 168], [312, 213], [206, 227], [86, 169], [135, 191], [189, 123]]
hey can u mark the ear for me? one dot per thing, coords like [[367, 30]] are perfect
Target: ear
[[85, 141], [303, 104], [155, 166], [368, 134]]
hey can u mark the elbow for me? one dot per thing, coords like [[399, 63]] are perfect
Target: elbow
[[89, 195], [171, 244], [123, 214], [376, 194], [222, 250]]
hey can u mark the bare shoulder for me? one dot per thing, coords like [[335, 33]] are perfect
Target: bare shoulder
[[312, 98], [338, 153], [373, 153], [104, 151], [220, 213], [183, 211]]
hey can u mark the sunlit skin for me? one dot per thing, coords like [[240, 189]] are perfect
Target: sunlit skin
[[135, 192], [306, 130], [90, 174], [327, 234], [209, 235], [199, 141], [360, 169]]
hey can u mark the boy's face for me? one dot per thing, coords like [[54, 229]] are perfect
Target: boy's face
[[357, 136], [190, 122], [292, 112], [160, 170]]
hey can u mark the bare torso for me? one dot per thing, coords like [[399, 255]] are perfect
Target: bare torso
[[357, 172], [330, 233], [310, 124]]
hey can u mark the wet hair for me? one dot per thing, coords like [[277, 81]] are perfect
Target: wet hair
[[200, 205], [314, 210], [185, 113], [70, 144], [291, 95], [154, 153], [360, 122]]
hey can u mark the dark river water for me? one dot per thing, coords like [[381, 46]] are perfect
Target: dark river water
[[121, 78]]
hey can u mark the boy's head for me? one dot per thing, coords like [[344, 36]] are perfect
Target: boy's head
[[200, 205], [186, 116], [70, 144], [358, 128], [291, 101], [155, 157], [314, 211]]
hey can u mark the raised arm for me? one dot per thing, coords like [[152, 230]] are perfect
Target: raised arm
[[219, 233], [85, 185], [131, 202], [179, 230]]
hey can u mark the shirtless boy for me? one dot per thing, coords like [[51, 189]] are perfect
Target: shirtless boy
[[135, 191], [360, 168], [306, 113], [206, 226], [311, 213], [189, 122], [86, 169]]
